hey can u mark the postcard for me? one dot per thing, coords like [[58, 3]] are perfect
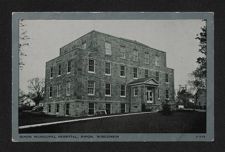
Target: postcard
[[112, 76]]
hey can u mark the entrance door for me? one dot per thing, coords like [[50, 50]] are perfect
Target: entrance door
[[150, 97]]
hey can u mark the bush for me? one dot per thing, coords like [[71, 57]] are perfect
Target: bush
[[166, 109], [25, 108]]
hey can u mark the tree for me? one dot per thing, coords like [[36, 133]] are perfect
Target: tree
[[201, 71], [23, 42], [36, 86], [183, 97]]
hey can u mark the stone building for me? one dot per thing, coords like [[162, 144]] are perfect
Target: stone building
[[103, 72]]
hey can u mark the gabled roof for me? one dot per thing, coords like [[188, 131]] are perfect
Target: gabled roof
[[147, 81]]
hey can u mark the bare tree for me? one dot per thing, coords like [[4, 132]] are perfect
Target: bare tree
[[23, 42], [36, 86]]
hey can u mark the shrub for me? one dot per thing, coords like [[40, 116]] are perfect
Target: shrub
[[166, 109]]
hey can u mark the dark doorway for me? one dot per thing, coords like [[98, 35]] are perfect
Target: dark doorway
[[143, 107], [67, 109], [123, 108], [108, 108], [91, 109]]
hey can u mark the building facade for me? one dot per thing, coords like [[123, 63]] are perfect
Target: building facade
[[102, 72]]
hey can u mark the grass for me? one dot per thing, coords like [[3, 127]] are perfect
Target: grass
[[27, 118], [178, 122]]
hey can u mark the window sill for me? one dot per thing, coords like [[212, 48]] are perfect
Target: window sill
[[123, 76], [122, 58], [58, 75], [68, 72], [135, 78], [149, 102], [107, 74], [91, 94], [123, 96], [93, 72], [51, 78], [107, 95]]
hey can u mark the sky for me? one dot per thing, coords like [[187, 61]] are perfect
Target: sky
[[175, 37]]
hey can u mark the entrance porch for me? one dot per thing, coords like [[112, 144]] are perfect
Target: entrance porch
[[143, 95]]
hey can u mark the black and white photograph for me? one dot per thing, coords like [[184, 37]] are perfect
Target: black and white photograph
[[113, 77]]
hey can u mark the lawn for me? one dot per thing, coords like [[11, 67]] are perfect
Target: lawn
[[27, 118], [178, 122]]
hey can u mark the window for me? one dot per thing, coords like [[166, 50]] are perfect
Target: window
[[123, 90], [69, 66], [167, 94], [58, 90], [135, 91], [146, 58], [135, 73], [107, 89], [135, 57], [122, 71], [91, 65], [123, 107], [59, 69], [67, 109], [108, 48], [167, 77], [91, 108], [157, 76], [57, 108], [108, 108], [156, 61], [91, 87], [84, 45], [146, 73], [49, 108], [50, 91], [107, 68], [122, 52], [51, 72], [68, 85]]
